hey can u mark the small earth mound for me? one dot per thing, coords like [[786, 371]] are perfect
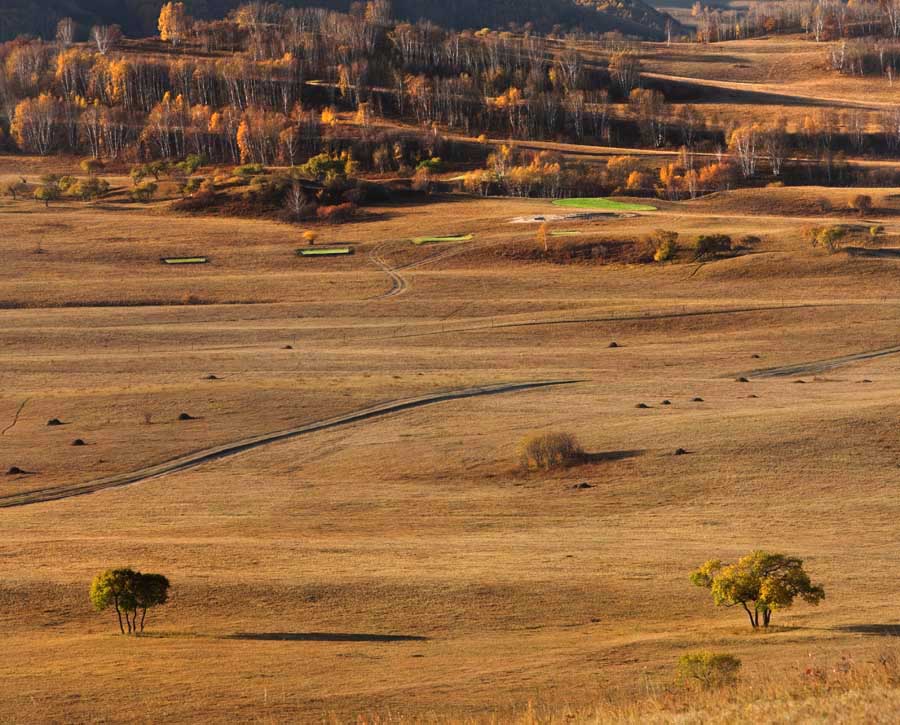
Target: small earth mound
[[752, 396], [78, 442], [186, 416], [613, 344], [288, 347], [582, 485], [799, 382], [14, 471], [666, 402], [54, 421], [696, 400], [742, 380], [211, 377], [755, 356], [642, 406], [680, 452], [865, 381]]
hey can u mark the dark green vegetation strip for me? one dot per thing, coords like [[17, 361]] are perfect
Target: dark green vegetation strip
[[436, 240], [185, 260], [324, 251]]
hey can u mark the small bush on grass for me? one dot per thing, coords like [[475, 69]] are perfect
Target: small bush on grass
[[47, 192], [545, 451], [665, 245], [14, 188], [861, 204], [707, 670], [828, 238], [66, 182], [91, 188], [248, 171], [823, 205], [144, 192], [710, 245], [337, 213]]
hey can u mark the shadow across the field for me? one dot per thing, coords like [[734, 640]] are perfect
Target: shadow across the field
[[890, 253], [878, 630], [325, 637], [603, 456]]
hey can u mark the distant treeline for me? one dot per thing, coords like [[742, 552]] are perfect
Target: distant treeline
[[137, 18]]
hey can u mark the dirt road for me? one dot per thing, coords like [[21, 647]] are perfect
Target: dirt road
[[208, 455]]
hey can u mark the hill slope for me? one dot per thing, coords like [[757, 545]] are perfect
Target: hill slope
[[138, 17]]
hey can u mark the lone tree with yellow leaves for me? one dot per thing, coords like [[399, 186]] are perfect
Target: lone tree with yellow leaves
[[760, 583], [130, 593], [173, 22]]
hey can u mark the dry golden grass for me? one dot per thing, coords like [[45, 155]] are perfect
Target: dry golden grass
[[404, 566]]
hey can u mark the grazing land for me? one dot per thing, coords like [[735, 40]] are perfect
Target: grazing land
[[402, 563], [687, 279]]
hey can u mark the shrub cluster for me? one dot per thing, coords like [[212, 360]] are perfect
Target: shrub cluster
[[545, 451]]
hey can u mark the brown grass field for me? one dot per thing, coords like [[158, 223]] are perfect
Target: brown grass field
[[402, 568]]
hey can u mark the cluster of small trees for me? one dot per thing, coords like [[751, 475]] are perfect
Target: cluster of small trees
[[526, 174], [131, 593]]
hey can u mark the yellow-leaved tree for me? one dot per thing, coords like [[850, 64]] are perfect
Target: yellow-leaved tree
[[760, 583], [173, 22]]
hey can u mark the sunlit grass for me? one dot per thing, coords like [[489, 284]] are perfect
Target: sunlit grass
[[603, 204]]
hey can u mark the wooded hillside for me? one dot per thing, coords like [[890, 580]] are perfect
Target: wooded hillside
[[138, 17]]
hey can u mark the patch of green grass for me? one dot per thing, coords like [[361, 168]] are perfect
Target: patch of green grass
[[435, 240], [185, 260], [603, 204], [324, 251]]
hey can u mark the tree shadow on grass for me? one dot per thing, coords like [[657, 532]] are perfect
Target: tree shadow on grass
[[325, 637], [878, 630], [603, 456], [890, 253]]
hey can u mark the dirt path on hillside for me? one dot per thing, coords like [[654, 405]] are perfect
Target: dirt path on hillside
[[768, 93], [399, 285], [608, 318], [208, 455], [820, 366]]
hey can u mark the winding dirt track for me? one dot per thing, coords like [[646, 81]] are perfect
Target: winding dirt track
[[208, 455], [621, 318], [399, 285], [820, 366]]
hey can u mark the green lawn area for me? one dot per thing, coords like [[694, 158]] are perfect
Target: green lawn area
[[434, 240], [323, 251], [185, 260], [603, 204]]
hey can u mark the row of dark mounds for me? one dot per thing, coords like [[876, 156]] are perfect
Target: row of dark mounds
[[78, 442]]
